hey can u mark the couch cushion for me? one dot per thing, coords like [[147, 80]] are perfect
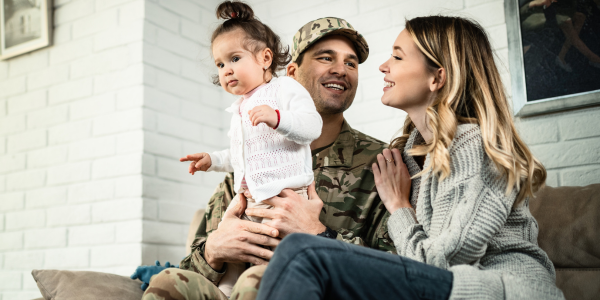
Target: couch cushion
[[71, 285], [580, 284], [569, 218]]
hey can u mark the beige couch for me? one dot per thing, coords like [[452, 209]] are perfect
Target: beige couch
[[569, 222], [568, 218]]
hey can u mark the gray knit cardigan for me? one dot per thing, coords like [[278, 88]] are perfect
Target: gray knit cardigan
[[467, 224]]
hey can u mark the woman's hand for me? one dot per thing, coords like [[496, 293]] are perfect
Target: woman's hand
[[392, 180]]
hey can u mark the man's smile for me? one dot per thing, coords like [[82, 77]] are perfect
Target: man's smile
[[336, 87]]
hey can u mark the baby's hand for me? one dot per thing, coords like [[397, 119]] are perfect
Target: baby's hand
[[200, 162], [263, 114]]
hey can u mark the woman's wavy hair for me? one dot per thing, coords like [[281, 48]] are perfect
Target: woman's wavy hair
[[238, 15], [473, 93]]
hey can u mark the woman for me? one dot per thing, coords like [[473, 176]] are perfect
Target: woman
[[462, 227]]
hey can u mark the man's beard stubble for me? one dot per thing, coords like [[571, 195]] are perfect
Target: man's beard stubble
[[334, 104]]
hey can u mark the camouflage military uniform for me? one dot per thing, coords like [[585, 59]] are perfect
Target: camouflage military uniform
[[344, 182]]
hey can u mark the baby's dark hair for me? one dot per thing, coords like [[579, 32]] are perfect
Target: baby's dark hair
[[239, 15]]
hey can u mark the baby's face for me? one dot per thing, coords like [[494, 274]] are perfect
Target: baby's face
[[239, 69]]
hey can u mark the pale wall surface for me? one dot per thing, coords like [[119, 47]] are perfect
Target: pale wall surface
[[91, 130], [71, 147], [183, 114], [567, 143], [92, 127]]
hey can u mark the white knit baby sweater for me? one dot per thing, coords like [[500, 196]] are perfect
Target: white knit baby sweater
[[467, 224], [271, 159]]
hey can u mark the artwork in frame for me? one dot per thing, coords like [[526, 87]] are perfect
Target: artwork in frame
[[554, 54], [25, 26]]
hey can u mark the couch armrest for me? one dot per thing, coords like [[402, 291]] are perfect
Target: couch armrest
[[192, 231]]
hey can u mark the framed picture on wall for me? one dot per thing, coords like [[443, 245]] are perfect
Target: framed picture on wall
[[25, 25], [554, 54]]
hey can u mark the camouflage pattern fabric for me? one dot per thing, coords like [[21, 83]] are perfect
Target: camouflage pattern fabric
[[177, 284], [174, 284], [314, 30], [344, 182], [246, 288]]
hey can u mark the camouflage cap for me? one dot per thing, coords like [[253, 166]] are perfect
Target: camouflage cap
[[315, 30]]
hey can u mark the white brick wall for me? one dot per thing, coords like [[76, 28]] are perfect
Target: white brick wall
[[92, 127], [568, 143], [184, 109], [71, 147]]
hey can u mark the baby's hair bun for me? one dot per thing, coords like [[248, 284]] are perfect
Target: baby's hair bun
[[229, 10], [257, 35]]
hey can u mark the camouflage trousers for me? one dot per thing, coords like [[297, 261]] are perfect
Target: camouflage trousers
[[179, 284]]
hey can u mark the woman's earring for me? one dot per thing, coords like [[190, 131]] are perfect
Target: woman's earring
[[265, 67]]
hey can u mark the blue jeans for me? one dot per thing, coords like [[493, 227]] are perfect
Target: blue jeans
[[311, 267]]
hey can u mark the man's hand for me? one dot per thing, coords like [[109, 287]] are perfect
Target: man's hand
[[291, 213], [263, 114], [238, 240], [200, 162]]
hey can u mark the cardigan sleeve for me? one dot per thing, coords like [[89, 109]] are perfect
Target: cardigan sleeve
[[473, 204], [299, 120], [220, 161]]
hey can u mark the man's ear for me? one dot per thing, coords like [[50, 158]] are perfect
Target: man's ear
[[292, 70], [438, 81]]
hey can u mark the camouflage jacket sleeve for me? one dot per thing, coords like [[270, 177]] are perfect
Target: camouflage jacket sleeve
[[345, 182], [374, 232], [216, 207], [376, 236]]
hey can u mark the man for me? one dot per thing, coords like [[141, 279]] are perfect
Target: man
[[325, 58]]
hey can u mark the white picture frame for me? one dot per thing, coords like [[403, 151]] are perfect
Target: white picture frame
[[522, 107], [25, 26]]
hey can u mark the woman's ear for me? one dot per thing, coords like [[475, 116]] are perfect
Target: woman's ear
[[439, 80]]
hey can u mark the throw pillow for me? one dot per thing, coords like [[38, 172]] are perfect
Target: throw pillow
[[71, 285]]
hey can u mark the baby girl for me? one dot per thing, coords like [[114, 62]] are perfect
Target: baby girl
[[272, 124]]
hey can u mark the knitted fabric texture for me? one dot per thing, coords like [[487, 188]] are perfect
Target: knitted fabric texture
[[467, 225], [271, 159]]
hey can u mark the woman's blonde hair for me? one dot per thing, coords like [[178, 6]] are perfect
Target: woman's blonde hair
[[473, 93]]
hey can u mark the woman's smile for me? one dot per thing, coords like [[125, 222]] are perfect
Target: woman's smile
[[387, 85]]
